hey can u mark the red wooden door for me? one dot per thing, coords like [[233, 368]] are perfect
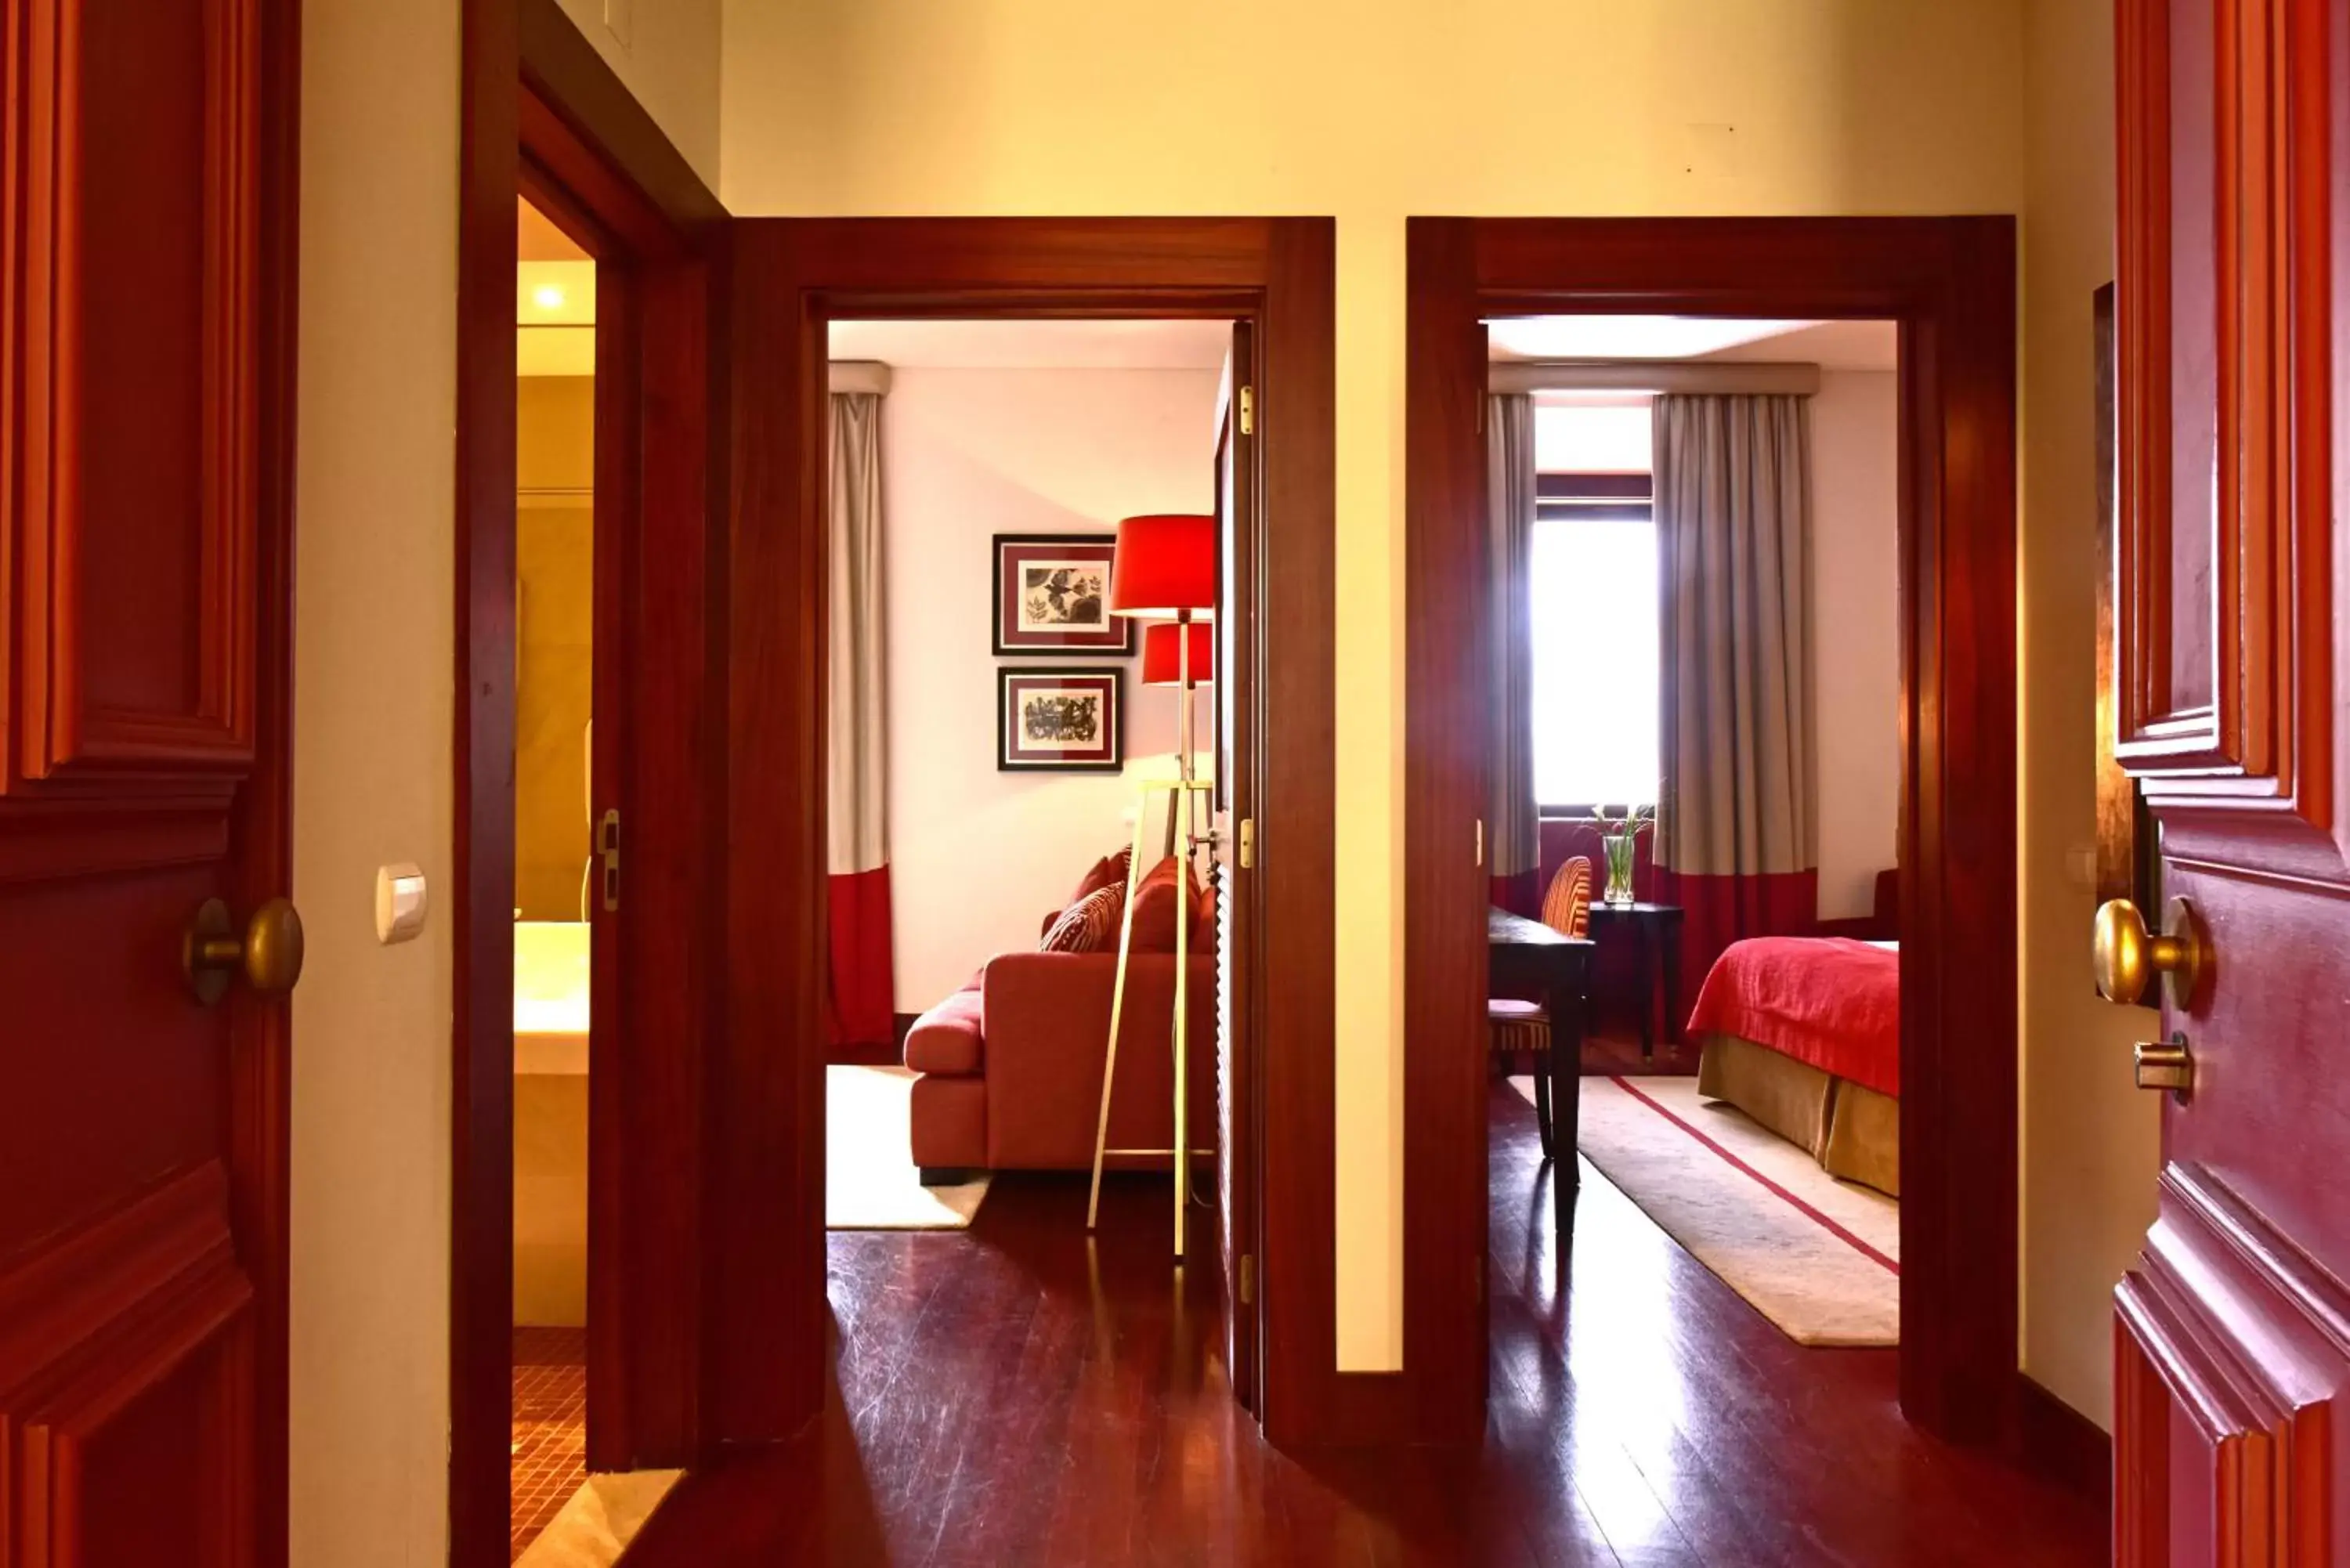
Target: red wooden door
[[145, 329], [2232, 1337], [1237, 1096]]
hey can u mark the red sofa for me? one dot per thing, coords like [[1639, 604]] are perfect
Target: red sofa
[[1012, 1065]]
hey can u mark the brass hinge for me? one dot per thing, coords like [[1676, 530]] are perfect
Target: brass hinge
[[1248, 1278], [1248, 410], [607, 844], [1480, 841], [1248, 843]]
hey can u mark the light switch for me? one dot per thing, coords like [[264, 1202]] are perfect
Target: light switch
[[398, 902]]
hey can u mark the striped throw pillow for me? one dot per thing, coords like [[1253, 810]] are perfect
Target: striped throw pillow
[[1089, 925]]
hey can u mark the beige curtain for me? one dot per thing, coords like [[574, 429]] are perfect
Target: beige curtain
[[856, 799], [1514, 853], [856, 741], [1733, 513]]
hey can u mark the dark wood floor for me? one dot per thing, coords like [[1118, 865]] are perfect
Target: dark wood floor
[[1012, 1396]]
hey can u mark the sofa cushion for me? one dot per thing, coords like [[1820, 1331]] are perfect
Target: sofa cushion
[[1109, 871], [947, 1038], [1089, 925], [1170, 887]]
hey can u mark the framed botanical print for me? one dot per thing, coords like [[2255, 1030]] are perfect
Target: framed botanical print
[[1052, 595], [1060, 719]]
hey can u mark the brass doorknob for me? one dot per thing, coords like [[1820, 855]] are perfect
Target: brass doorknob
[[2128, 956], [269, 953]]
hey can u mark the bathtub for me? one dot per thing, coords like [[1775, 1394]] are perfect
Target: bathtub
[[550, 1017], [550, 1123]]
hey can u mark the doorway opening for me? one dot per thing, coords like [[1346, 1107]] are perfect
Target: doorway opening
[[1003, 731], [1696, 767], [587, 455], [1948, 284], [792, 280]]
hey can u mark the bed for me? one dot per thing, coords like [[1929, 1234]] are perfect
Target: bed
[[1804, 1034]]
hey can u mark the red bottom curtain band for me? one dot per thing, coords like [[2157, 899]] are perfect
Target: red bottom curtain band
[[861, 1006]]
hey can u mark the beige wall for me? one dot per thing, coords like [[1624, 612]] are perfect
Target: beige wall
[[667, 53], [2091, 1140], [966, 454], [374, 638], [1856, 634], [1370, 113], [555, 659]]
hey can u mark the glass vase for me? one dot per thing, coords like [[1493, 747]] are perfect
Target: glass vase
[[1618, 846]]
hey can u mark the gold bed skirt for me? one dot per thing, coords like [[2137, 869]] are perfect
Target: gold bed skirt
[[1854, 1132]]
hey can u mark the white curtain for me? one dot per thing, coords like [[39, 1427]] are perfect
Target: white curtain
[[1513, 854]]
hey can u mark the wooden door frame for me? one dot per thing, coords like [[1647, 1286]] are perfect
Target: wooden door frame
[[1950, 284], [769, 1318], [542, 115]]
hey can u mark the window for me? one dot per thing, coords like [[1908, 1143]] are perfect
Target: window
[[1597, 652]]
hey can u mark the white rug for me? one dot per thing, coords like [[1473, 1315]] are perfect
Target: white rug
[[869, 1180], [1820, 1258]]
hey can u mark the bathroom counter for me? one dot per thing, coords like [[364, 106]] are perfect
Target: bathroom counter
[[550, 1019]]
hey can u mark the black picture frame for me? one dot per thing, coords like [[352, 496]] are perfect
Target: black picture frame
[[1008, 553], [1013, 682]]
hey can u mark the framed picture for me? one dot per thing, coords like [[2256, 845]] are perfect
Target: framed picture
[[1052, 595], [1060, 719]]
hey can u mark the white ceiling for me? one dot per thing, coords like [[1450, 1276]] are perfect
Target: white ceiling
[[1035, 345], [1830, 345]]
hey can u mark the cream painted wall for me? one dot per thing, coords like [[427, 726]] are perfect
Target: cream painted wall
[[1856, 633], [667, 53], [977, 856], [2091, 1139], [1371, 113], [374, 631]]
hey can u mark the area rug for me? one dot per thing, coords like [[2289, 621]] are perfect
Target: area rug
[[1820, 1258], [869, 1180]]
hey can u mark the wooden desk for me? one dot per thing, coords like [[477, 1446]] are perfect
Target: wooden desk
[[1528, 955], [1658, 928]]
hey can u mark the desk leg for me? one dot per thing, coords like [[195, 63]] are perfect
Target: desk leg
[[1647, 991], [1566, 1090], [1673, 983]]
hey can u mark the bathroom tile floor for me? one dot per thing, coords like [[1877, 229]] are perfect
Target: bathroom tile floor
[[550, 1426]]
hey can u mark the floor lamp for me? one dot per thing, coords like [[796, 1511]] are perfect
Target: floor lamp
[[1165, 571]]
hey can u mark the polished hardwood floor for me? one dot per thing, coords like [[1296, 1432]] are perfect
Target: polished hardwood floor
[[1013, 1395]]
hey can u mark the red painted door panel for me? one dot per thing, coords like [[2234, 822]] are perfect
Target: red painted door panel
[[2232, 1331], [145, 312]]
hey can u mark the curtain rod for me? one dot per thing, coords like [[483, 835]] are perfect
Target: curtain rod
[[1653, 376]]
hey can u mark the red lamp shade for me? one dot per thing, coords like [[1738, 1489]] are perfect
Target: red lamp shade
[[1165, 566], [1163, 652]]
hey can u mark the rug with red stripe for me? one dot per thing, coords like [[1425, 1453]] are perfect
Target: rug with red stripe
[[1818, 1257]]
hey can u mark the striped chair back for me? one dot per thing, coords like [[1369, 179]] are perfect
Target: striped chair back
[[1566, 908]]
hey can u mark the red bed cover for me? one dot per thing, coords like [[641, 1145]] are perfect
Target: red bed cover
[[1828, 1000]]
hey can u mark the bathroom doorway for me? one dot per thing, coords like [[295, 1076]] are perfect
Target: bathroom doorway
[[586, 478]]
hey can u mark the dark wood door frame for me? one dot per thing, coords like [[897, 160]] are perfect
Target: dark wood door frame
[[544, 117], [769, 1319], [1950, 284]]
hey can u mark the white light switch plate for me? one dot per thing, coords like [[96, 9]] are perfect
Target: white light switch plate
[[399, 903]]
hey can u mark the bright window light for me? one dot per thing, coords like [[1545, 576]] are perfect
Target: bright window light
[[547, 296], [1596, 660]]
